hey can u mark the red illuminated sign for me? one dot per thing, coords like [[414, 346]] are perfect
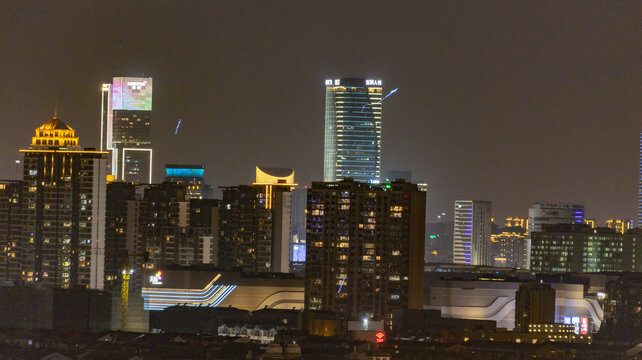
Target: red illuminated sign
[[583, 326], [380, 337]]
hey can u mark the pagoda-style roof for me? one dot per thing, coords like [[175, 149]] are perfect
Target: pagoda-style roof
[[55, 124], [55, 133]]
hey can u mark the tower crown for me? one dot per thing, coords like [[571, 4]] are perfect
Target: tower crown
[[54, 133]]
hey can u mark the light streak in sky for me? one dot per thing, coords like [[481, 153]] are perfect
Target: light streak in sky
[[382, 99], [177, 126]]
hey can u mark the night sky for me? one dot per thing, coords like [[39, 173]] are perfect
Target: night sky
[[512, 102]]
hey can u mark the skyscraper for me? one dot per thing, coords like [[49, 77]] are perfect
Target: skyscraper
[[63, 210], [365, 248], [125, 120], [471, 240], [352, 130], [541, 214]]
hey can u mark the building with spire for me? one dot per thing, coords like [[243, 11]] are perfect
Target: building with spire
[[62, 210]]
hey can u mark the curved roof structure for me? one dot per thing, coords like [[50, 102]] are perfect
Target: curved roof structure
[[277, 172], [276, 176]]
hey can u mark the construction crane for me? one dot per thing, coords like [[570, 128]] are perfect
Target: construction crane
[[124, 290]]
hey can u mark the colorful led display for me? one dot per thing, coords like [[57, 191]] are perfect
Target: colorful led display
[[581, 324], [132, 93], [185, 172]]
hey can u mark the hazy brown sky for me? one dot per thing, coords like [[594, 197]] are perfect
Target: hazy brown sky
[[509, 101]]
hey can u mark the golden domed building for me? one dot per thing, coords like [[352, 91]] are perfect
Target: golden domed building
[[63, 197]]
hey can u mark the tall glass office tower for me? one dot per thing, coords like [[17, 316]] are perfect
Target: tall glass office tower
[[352, 130], [471, 240], [125, 119]]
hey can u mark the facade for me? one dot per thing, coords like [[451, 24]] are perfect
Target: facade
[[63, 199], [126, 128], [120, 236], [578, 248], [151, 226], [623, 301], [534, 304], [246, 230], [192, 177], [275, 186], [11, 229], [510, 247], [496, 301], [255, 223], [298, 233], [471, 238], [200, 287], [352, 146], [620, 225], [541, 214], [365, 248]]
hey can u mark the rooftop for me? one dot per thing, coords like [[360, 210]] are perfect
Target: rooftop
[[54, 124]]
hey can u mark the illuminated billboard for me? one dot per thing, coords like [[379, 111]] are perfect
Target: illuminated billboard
[[581, 324], [132, 93], [298, 252]]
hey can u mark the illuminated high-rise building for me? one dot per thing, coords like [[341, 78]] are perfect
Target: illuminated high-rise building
[[365, 248], [579, 248], [63, 200], [352, 130], [125, 121], [510, 247], [256, 223], [192, 177], [471, 239], [541, 214], [11, 231]]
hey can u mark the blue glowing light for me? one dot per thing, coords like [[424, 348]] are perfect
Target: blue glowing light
[[184, 172]]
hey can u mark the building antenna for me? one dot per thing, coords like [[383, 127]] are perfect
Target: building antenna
[[56, 108]]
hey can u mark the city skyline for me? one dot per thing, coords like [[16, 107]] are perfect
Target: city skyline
[[474, 104]]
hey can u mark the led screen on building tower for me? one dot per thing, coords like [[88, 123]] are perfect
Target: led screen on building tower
[[132, 93]]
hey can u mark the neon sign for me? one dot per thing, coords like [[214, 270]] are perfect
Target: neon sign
[[156, 279], [583, 326], [380, 337]]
